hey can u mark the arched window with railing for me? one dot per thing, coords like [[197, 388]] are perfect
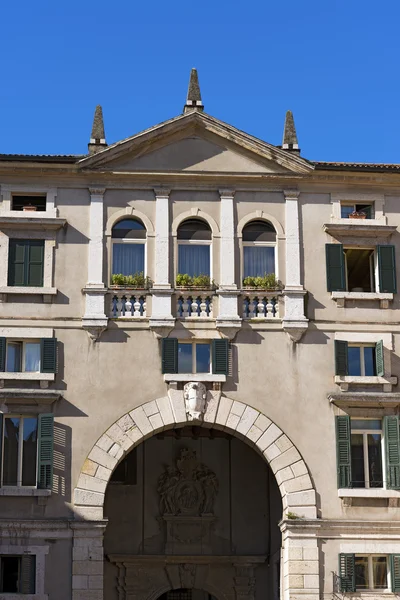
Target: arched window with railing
[[194, 249], [259, 249], [128, 250]]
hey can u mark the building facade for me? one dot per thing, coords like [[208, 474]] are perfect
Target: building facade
[[199, 368]]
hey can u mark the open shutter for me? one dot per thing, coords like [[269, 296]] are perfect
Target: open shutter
[[335, 272], [387, 269], [48, 355], [3, 350], [380, 367], [45, 451], [35, 252], [27, 574], [341, 358], [395, 572], [392, 446], [16, 262], [343, 451], [220, 350], [347, 573], [169, 355]]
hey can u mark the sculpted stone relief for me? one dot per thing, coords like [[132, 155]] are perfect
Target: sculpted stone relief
[[195, 395]]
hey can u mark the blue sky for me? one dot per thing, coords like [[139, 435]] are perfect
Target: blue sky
[[335, 64]]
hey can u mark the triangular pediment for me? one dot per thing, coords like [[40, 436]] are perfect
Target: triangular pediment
[[195, 142]]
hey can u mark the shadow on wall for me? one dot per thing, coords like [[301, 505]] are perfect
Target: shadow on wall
[[71, 235], [310, 305], [113, 334], [395, 365]]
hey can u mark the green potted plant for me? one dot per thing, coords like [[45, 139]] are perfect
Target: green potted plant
[[138, 280], [183, 280], [267, 282]]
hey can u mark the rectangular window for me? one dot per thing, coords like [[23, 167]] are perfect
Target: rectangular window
[[128, 258], [193, 259], [17, 574], [360, 269], [361, 360], [23, 357], [194, 357], [20, 435], [258, 261], [366, 453], [352, 210], [371, 572], [28, 203], [26, 262]]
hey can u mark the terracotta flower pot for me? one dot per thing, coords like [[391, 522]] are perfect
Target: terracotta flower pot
[[29, 208], [358, 215]]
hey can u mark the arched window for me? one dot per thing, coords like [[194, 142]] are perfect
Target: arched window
[[194, 243], [128, 247], [259, 241]]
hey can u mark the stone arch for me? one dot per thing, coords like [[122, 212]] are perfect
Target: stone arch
[[217, 593], [263, 216], [192, 214], [239, 419], [129, 211]]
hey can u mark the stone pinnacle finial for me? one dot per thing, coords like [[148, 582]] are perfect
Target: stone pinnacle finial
[[289, 134], [193, 100], [98, 138]]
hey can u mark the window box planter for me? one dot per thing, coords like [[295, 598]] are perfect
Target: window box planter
[[129, 288], [195, 288], [262, 290], [358, 215]]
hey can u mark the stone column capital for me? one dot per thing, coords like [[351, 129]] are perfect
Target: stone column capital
[[97, 191], [226, 193], [161, 192], [291, 194]]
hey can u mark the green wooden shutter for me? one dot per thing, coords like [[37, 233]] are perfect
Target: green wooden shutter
[[45, 451], [335, 271], [48, 355], [395, 572], [3, 352], [169, 355], [341, 358], [387, 269], [34, 262], [347, 572], [16, 262], [380, 367], [220, 349], [28, 574], [343, 451], [392, 446]]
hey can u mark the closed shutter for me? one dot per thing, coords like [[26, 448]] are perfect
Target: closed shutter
[[34, 260], [395, 572], [45, 451], [341, 358], [380, 367], [343, 451], [335, 271], [347, 573], [3, 351], [169, 355], [220, 351], [16, 262], [387, 269], [27, 574], [48, 355], [392, 442]]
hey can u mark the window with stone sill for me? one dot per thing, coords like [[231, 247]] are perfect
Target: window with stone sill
[[194, 248], [28, 356], [359, 360], [362, 270], [28, 203], [27, 450], [17, 574], [350, 210], [195, 357], [128, 250], [259, 249], [368, 452]]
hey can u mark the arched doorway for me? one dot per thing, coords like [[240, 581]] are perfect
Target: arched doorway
[[189, 509]]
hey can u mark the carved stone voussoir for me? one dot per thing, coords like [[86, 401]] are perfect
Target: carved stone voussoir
[[195, 395]]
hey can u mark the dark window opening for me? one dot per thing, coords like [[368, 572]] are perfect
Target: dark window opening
[[194, 229], [28, 203], [129, 229], [347, 210], [126, 471], [259, 231], [10, 570], [360, 270]]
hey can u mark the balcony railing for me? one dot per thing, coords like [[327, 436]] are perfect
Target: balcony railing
[[260, 305], [194, 304], [127, 304]]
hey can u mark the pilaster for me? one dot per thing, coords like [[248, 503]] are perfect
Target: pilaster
[[300, 565], [88, 560], [228, 320], [161, 320], [94, 319], [294, 322]]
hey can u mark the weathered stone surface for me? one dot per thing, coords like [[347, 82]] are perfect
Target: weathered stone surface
[[102, 458], [89, 467], [268, 437], [165, 409], [93, 484], [87, 567], [88, 498], [224, 408], [247, 420]]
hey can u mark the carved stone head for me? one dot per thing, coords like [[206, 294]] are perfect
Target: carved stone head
[[195, 395]]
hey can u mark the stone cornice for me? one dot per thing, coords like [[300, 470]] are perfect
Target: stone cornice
[[329, 528]]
